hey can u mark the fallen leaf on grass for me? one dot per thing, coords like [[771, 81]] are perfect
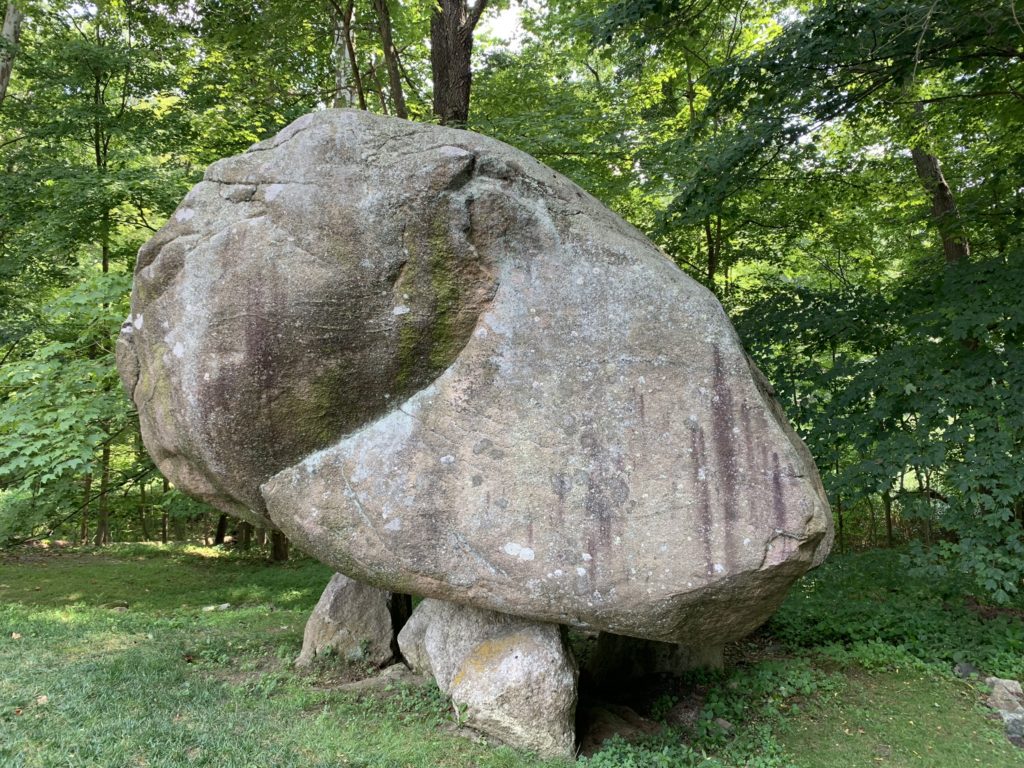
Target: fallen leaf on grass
[[15, 636], [42, 700]]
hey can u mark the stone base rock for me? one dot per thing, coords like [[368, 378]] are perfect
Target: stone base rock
[[510, 678], [1007, 698], [354, 621], [616, 659]]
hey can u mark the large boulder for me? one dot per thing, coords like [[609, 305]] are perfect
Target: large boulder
[[444, 369]]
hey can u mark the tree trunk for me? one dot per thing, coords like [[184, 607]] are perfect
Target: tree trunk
[[9, 47], [142, 511], [163, 517], [390, 57], [278, 547], [103, 522], [945, 214], [887, 503], [451, 47], [347, 78], [842, 526], [222, 530], [244, 536], [83, 532], [260, 537]]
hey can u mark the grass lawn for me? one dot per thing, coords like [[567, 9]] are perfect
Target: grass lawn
[[108, 659]]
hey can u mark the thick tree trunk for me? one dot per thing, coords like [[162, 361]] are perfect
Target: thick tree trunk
[[9, 46], [451, 48], [278, 547], [222, 530], [955, 245], [244, 536], [390, 57]]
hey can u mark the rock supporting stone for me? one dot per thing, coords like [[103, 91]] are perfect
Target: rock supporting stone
[[1007, 698], [353, 621], [512, 679]]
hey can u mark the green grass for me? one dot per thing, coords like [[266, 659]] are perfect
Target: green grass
[[903, 718], [165, 683]]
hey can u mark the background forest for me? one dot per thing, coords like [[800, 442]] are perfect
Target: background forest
[[847, 177]]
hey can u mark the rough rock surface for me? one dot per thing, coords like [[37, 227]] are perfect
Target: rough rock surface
[[444, 369], [351, 620], [1006, 695], [512, 679]]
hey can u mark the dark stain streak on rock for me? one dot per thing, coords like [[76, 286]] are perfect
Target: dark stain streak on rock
[[778, 501], [747, 437], [722, 420], [561, 484], [703, 495]]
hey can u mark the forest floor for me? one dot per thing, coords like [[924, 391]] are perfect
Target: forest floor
[[108, 658]]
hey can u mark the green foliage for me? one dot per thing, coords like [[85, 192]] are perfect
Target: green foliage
[[869, 608]]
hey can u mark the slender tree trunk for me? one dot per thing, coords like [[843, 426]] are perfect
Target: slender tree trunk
[[955, 245], [348, 82], [842, 526], [451, 48], [375, 77], [103, 522], [278, 547], [887, 504], [163, 517], [83, 532], [260, 537], [871, 521], [9, 47], [142, 511], [390, 57]]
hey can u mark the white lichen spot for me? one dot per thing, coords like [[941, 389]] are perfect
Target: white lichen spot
[[702, 474], [518, 550], [587, 557], [137, 322], [179, 350], [719, 568], [558, 572], [272, 191], [185, 214], [581, 571], [447, 460], [746, 542], [401, 309], [394, 525]]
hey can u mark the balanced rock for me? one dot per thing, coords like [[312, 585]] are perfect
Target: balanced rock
[[512, 679], [444, 369]]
